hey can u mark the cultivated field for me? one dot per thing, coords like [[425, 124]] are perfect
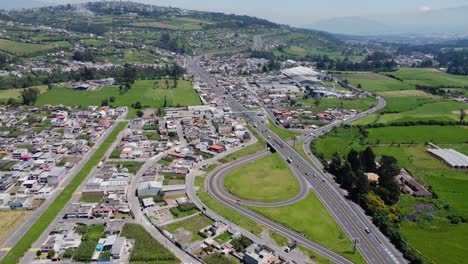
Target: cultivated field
[[407, 145], [253, 182], [310, 218], [8, 222], [174, 23], [151, 93], [22, 49]]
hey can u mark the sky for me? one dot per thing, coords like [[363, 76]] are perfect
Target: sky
[[303, 12]]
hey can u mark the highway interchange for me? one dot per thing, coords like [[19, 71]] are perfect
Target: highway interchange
[[374, 246]]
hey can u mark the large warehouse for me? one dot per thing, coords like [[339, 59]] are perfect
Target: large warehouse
[[303, 75], [452, 157]]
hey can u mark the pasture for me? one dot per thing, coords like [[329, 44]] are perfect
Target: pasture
[[151, 93], [374, 82], [22, 49], [253, 182], [429, 77], [362, 104]]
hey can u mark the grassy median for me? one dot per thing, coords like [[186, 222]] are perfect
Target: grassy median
[[57, 205]]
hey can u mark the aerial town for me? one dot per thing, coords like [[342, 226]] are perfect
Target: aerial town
[[135, 133]]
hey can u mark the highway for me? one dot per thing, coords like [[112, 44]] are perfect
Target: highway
[[374, 246]]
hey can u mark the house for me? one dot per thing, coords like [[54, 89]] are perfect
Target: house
[[118, 247], [56, 175], [53, 242], [109, 243], [259, 254], [149, 188], [217, 148], [148, 202], [80, 210]]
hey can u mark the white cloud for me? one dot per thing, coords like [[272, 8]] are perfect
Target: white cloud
[[424, 9]]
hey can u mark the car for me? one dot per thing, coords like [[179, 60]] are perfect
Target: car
[[367, 230]]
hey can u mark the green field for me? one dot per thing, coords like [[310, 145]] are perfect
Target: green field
[[305, 50], [150, 93], [252, 182], [282, 132], [146, 248], [22, 49], [451, 186], [62, 199], [325, 103], [374, 82], [310, 218], [429, 77], [192, 225], [16, 93]]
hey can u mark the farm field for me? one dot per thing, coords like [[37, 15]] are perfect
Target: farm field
[[8, 222], [186, 231], [325, 103], [16, 93], [253, 182], [429, 77], [311, 218], [146, 248], [305, 50], [450, 185], [22, 49], [149, 92], [374, 82]]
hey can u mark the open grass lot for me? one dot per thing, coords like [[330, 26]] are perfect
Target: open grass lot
[[399, 101], [374, 82], [146, 248], [56, 206], [150, 93], [16, 93], [8, 222], [22, 49], [282, 133], [418, 134], [429, 77], [317, 258], [451, 186], [253, 182], [182, 229], [310, 217], [325, 103]]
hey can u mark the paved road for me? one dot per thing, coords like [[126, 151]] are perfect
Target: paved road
[[18, 233], [373, 246]]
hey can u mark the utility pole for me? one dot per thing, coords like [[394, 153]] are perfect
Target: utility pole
[[355, 242]]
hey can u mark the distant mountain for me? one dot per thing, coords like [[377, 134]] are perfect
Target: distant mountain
[[449, 21]]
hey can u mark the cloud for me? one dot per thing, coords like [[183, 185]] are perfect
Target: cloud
[[424, 9]]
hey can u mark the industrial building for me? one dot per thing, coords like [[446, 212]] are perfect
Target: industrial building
[[451, 157]]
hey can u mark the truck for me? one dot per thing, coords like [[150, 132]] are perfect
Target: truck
[[291, 246]]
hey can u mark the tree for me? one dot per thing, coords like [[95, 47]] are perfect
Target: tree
[[361, 186], [112, 99], [347, 176], [165, 101], [166, 82], [139, 113], [137, 105], [50, 254], [368, 160], [174, 78], [30, 95], [462, 115], [241, 243], [38, 253], [353, 159], [388, 189], [104, 102]]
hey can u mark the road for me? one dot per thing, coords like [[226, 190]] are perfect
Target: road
[[373, 246], [16, 235]]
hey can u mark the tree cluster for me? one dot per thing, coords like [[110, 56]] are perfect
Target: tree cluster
[[83, 55]]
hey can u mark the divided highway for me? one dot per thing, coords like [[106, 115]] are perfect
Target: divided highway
[[374, 246]]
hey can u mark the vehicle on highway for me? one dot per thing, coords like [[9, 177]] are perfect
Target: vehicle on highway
[[367, 230], [291, 246], [289, 160]]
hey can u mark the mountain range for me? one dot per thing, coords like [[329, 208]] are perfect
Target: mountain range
[[448, 21]]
